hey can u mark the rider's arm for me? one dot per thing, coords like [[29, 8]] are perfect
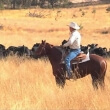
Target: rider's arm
[[70, 41]]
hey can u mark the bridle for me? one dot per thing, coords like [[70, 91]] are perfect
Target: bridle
[[43, 48]]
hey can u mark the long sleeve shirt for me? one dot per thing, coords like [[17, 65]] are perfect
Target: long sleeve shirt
[[74, 40]]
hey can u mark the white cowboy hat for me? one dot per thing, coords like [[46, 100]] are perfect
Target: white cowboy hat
[[74, 25]]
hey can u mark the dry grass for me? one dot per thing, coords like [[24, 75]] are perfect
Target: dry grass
[[30, 84]]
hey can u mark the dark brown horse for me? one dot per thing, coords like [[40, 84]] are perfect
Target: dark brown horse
[[96, 66]]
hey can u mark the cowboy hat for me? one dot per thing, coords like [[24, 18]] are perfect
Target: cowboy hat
[[74, 25]]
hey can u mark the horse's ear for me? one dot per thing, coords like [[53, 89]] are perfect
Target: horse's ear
[[43, 41]]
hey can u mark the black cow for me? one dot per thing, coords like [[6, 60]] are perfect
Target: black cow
[[108, 53], [22, 51], [2, 51], [85, 49], [33, 53], [35, 46], [92, 47], [33, 50], [11, 50], [101, 51], [19, 51]]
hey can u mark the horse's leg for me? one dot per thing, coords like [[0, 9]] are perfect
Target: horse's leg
[[57, 79], [101, 83], [94, 82], [60, 79], [101, 78], [97, 79]]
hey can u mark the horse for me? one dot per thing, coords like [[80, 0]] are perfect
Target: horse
[[96, 66]]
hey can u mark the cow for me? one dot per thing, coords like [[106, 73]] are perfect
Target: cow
[[92, 47], [33, 49], [11, 50], [85, 49], [101, 51], [108, 53], [23, 51], [19, 51], [2, 51]]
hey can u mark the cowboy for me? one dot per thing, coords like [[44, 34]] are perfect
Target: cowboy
[[74, 45]]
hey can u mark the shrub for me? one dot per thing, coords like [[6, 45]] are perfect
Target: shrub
[[1, 27], [80, 9], [83, 13], [94, 11], [81, 26], [108, 9]]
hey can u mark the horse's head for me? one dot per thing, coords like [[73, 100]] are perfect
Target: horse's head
[[40, 51]]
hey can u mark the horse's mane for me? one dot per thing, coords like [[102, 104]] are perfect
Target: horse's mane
[[57, 50]]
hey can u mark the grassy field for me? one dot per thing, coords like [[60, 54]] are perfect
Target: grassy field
[[30, 84]]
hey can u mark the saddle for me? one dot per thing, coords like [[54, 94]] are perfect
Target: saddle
[[81, 56]]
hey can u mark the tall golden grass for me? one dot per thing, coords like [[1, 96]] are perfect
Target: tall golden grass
[[30, 84]]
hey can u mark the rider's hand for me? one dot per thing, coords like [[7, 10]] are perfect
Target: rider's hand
[[61, 46]]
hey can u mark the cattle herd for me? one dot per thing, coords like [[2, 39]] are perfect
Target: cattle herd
[[25, 51], [18, 51], [94, 49]]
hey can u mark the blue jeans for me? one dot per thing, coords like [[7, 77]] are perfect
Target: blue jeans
[[72, 54]]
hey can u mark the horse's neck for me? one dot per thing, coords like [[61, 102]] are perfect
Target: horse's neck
[[53, 54]]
